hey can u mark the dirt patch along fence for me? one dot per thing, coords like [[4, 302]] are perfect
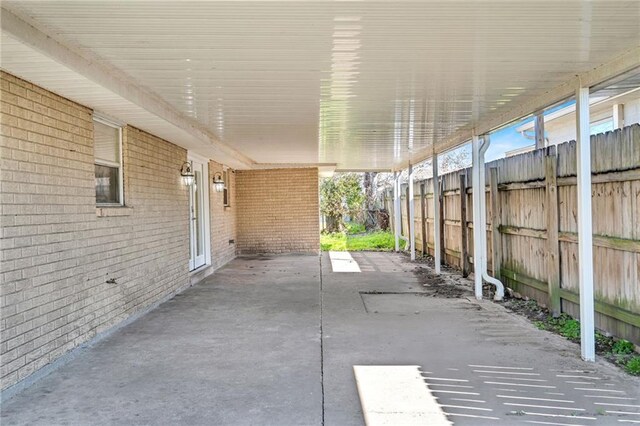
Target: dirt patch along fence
[[532, 226]]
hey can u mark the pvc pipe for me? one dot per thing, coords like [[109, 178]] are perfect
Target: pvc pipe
[[480, 221], [412, 216]]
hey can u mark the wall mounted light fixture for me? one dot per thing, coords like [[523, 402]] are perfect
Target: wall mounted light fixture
[[187, 174], [218, 182]]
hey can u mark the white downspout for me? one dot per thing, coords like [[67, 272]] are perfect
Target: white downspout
[[480, 221]]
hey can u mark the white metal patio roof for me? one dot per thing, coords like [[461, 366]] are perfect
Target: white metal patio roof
[[362, 85]]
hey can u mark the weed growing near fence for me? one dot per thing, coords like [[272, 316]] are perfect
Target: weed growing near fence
[[620, 352], [633, 366]]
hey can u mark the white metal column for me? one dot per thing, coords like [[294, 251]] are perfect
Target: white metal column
[[478, 191], [618, 116], [412, 216], [436, 215], [396, 209], [539, 129], [585, 229]]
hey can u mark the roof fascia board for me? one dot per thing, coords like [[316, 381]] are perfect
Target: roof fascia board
[[620, 65], [111, 79]]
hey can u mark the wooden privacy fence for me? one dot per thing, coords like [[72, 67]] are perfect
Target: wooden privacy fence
[[532, 226]]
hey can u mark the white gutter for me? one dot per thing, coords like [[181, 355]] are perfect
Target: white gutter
[[480, 221]]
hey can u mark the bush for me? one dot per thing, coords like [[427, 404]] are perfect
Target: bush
[[622, 347], [355, 228], [633, 366], [571, 329]]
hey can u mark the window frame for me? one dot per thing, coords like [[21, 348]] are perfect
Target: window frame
[[114, 124]]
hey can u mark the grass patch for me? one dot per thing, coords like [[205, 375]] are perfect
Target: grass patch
[[378, 241]]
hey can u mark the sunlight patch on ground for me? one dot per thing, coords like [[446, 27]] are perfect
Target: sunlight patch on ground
[[397, 395], [341, 261]]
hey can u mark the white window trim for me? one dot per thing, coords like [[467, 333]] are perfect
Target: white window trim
[[112, 123]]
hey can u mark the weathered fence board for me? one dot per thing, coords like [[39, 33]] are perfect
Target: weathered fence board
[[532, 214]]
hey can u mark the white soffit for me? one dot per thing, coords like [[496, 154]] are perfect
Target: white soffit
[[364, 85]]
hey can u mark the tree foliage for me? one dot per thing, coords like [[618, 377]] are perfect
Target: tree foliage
[[340, 196]]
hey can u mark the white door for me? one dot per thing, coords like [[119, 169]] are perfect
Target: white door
[[198, 231]]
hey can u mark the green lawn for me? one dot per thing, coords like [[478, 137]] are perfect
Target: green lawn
[[341, 242]]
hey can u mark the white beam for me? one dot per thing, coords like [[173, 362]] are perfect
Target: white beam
[[112, 79], [618, 116], [539, 129], [509, 113], [396, 209], [436, 215], [412, 216], [585, 230]]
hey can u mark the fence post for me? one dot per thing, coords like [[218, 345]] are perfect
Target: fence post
[[496, 246], [464, 255], [553, 247], [423, 219]]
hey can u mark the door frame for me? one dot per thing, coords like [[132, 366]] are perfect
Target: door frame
[[198, 159]]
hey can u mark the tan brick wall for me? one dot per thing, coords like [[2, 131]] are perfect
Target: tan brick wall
[[223, 219], [278, 211], [56, 253]]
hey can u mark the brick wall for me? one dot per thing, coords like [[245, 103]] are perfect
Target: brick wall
[[278, 211], [57, 250], [223, 219]]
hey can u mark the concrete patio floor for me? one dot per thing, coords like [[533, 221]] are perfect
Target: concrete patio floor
[[273, 341]]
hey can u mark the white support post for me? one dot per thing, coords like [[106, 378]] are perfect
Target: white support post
[[585, 230], [412, 216], [539, 129], [436, 215], [618, 116], [396, 209], [478, 228]]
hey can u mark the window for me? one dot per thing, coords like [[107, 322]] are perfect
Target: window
[[227, 185], [108, 162]]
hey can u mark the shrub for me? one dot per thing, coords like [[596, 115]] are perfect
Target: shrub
[[571, 329], [355, 228], [622, 347], [633, 366]]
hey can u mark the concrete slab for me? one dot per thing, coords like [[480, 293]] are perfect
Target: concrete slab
[[241, 348], [244, 347], [486, 365]]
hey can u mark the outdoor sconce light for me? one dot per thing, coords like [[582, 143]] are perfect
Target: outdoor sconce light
[[218, 182], [187, 173]]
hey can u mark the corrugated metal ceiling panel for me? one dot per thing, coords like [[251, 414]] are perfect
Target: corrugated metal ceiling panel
[[361, 84]]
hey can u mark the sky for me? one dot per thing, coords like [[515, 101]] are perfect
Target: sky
[[508, 138]]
